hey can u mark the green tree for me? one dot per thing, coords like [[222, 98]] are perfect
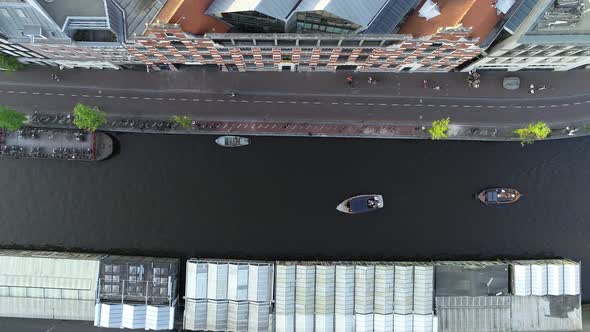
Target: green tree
[[88, 117], [439, 128], [183, 120], [10, 119], [9, 63], [532, 132]]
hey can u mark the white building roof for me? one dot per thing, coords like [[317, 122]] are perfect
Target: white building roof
[[273, 8], [360, 12]]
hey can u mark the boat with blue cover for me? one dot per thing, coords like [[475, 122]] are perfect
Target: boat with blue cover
[[361, 204], [496, 196]]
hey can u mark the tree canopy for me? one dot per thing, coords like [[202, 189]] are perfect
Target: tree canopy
[[9, 63], [10, 119], [88, 117], [534, 131], [182, 120], [439, 129]]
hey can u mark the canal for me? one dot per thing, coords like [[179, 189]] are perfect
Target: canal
[[185, 196]]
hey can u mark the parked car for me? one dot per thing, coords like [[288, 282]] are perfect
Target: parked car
[[511, 83]]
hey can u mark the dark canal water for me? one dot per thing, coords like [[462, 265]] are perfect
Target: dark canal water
[[185, 196]]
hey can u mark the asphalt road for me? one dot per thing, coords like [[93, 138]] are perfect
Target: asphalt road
[[298, 97]]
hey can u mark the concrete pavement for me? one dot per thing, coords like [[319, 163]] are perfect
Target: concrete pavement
[[397, 106]]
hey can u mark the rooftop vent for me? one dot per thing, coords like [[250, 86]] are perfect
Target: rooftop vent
[[429, 10]]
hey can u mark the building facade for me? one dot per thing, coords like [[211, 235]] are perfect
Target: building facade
[[545, 34], [330, 36], [80, 33]]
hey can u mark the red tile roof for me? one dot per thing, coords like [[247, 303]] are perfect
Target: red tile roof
[[195, 21]]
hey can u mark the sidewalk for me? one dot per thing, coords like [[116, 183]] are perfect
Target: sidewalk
[[559, 84], [227, 118]]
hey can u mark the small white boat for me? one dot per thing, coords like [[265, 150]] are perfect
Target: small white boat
[[232, 141], [361, 204]]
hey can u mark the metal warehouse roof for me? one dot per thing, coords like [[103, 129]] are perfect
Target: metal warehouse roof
[[16, 18], [348, 296], [48, 285], [391, 16], [357, 11], [273, 8], [228, 295], [523, 9]]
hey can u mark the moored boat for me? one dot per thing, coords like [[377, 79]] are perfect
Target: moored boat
[[232, 141], [361, 204], [494, 196], [55, 143]]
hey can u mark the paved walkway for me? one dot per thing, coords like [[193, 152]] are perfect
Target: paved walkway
[[302, 103]]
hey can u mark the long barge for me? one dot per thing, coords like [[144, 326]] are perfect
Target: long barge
[[55, 143]]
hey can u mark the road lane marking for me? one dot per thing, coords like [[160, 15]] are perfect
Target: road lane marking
[[35, 93], [196, 99], [147, 98], [466, 106], [23, 92], [418, 105], [243, 101], [553, 106], [158, 98], [183, 99], [565, 104], [219, 100], [577, 103], [110, 97], [382, 104], [208, 99], [97, 96], [48, 94], [171, 99], [317, 103], [9, 91], [335, 103], [135, 98], [394, 104], [406, 105]]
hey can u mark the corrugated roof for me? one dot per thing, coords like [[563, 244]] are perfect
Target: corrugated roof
[[546, 313], [523, 9], [360, 12], [473, 313], [273, 8], [392, 14], [16, 17]]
